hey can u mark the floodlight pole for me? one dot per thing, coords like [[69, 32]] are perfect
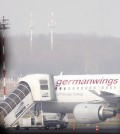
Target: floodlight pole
[[31, 31], [51, 24], [3, 27]]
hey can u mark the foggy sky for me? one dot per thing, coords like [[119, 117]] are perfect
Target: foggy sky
[[86, 36], [101, 17], [72, 54]]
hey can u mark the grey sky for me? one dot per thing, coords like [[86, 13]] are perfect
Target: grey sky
[[101, 17]]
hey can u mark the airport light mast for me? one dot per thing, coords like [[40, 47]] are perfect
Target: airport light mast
[[3, 26], [51, 24], [31, 32]]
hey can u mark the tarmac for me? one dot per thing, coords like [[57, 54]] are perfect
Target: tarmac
[[82, 130]]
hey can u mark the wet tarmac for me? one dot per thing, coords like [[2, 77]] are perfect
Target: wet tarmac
[[82, 130]]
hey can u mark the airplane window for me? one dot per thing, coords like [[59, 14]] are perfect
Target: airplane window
[[69, 88], [43, 82], [64, 88], [44, 87], [85, 88], [81, 87], [106, 87], [77, 88], [102, 87], [89, 87], [94, 87], [114, 87], [55, 88], [111, 87], [73, 88], [60, 88]]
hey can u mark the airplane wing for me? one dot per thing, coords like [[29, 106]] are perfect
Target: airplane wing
[[106, 95], [111, 98]]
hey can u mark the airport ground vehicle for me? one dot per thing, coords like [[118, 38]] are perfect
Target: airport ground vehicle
[[56, 124], [50, 120], [27, 123]]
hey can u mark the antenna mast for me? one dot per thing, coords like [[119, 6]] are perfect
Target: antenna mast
[[51, 24], [31, 31], [3, 26]]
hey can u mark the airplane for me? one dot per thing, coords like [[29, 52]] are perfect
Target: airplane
[[91, 98]]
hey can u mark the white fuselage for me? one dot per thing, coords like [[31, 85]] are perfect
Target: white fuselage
[[75, 89], [63, 94]]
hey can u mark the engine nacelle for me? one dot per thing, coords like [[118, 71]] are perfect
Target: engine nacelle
[[92, 113]]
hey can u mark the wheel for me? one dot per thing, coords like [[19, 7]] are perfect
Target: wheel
[[17, 127], [26, 128], [58, 126], [46, 128]]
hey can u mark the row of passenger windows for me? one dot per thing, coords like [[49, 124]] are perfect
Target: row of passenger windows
[[84, 88]]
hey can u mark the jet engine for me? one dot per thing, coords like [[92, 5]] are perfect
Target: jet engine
[[92, 113]]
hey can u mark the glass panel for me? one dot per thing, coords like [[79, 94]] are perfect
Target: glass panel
[[25, 85], [43, 82], [10, 102], [23, 89], [6, 107], [44, 87], [2, 112], [15, 98], [19, 93]]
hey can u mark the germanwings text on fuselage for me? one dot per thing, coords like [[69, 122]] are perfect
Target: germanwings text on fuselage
[[108, 82]]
